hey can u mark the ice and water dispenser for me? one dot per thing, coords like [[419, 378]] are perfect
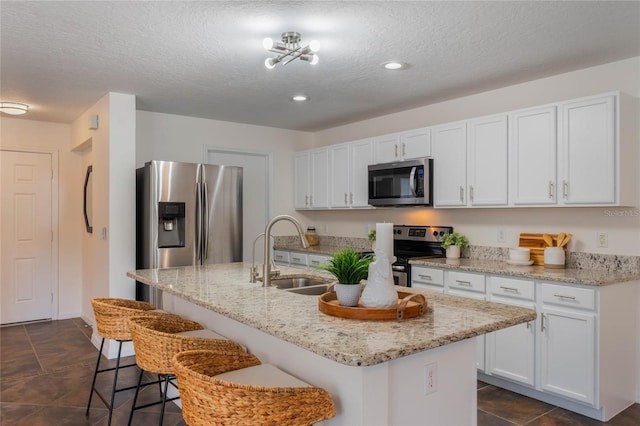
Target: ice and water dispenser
[[171, 217]]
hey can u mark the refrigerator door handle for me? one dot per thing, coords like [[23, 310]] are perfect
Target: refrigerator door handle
[[198, 221], [205, 221]]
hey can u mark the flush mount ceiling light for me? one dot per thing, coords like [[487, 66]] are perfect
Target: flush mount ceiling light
[[290, 49], [299, 98], [394, 65], [13, 108]]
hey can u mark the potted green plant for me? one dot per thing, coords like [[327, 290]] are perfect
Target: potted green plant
[[452, 243], [372, 237], [349, 267]]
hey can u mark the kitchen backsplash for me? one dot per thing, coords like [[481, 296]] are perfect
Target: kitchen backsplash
[[578, 260]]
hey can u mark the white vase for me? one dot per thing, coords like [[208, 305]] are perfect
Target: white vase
[[453, 252], [380, 291], [348, 294]]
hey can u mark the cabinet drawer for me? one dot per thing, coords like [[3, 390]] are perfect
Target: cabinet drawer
[[512, 288], [280, 256], [316, 260], [570, 297], [423, 286], [420, 274], [298, 259], [466, 282]]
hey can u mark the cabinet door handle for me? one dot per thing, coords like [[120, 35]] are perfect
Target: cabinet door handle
[[306, 200], [515, 290], [550, 190], [471, 192], [528, 324], [542, 322], [311, 200], [565, 189], [461, 194], [426, 277], [404, 152], [315, 262], [395, 147], [465, 283], [351, 197], [562, 296], [345, 198]]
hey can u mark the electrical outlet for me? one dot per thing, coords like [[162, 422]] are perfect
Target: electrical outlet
[[603, 240], [430, 378], [502, 235]]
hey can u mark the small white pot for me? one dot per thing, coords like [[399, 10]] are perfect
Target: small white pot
[[348, 294], [453, 252]]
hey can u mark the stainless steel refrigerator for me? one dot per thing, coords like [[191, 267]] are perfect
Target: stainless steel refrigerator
[[187, 214]]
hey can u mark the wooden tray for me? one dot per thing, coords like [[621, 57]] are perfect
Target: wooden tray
[[536, 245], [410, 305]]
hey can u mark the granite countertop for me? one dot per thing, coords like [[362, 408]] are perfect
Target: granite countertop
[[295, 318], [592, 277]]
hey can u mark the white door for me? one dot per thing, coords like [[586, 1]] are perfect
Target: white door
[[255, 195], [361, 157], [589, 148], [416, 143], [319, 197], [487, 161], [450, 165], [25, 233], [339, 186], [532, 162], [387, 148]]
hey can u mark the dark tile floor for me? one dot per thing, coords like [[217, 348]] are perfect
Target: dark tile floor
[[46, 370]]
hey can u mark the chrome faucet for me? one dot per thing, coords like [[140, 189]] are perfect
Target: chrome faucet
[[254, 271], [267, 272]]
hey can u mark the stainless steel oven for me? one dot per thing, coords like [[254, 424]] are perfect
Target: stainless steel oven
[[412, 241]]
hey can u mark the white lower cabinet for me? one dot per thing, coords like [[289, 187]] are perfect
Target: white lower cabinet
[[316, 260], [473, 287], [580, 352], [567, 344], [281, 257], [298, 259], [510, 352], [427, 278]]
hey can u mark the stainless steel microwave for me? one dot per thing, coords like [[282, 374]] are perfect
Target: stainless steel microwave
[[403, 183]]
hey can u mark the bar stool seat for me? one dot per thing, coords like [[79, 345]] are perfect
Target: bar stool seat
[[157, 339], [226, 388], [112, 322]]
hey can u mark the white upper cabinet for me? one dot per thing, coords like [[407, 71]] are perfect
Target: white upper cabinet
[[532, 162], [450, 165], [403, 146], [311, 179], [588, 153], [487, 161], [348, 168]]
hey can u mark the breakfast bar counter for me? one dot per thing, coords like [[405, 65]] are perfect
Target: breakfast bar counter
[[376, 371]]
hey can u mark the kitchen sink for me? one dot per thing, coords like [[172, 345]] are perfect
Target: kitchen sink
[[314, 290], [297, 282], [311, 286]]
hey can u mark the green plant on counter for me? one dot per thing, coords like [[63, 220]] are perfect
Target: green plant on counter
[[348, 266], [454, 239], [372, 235]]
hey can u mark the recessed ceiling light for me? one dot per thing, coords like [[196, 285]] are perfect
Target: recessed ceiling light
[[300, 98], [394, 65]]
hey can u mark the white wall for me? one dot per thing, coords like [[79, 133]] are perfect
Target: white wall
[[34, 135], [111, 150], [179, 138], [481, 225]]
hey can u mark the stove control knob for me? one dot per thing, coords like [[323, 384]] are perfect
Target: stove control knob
[[435, 233], [441, 233]]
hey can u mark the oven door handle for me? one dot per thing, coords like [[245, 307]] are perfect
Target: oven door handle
[[397, 268], [412, 180]]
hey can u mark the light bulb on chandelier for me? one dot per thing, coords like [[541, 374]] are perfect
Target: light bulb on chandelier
[[290, 49]]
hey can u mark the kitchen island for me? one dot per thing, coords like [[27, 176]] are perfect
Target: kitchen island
[[376, 371]]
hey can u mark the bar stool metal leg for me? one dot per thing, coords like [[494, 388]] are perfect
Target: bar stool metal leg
[[95, 375]]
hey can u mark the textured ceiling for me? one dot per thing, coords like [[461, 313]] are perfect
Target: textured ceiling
[[205, 59]]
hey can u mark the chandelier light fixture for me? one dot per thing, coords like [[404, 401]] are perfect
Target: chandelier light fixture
[[290, 49], [13, 108]]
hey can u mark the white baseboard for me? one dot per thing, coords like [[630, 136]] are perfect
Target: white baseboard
[[69, 315]]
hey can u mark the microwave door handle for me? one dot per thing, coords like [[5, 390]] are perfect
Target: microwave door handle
[[412, 181]]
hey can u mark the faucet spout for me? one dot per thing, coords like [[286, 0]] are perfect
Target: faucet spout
[[267, 271]]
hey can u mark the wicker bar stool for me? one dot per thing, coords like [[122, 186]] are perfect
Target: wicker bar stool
[[157, 339], [112, 320], [224, 388]]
